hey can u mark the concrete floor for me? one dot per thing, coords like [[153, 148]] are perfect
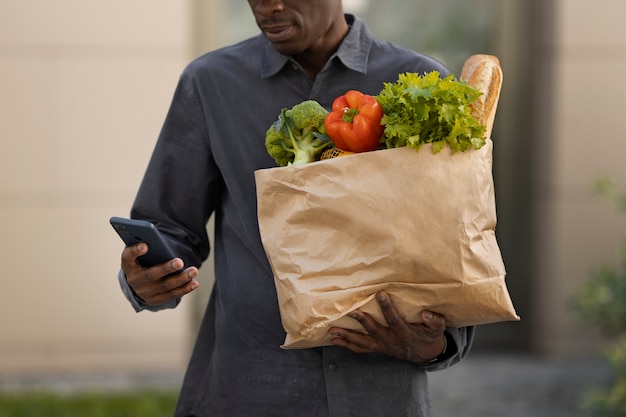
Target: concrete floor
[[516, 386]]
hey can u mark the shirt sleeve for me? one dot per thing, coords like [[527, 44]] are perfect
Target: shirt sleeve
[[459, 343], [180, 186], [182, 182]]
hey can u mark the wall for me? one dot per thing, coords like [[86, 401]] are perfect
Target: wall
[[85, 87], [579, 137]]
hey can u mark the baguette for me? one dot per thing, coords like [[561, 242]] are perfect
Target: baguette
[[484, 73]]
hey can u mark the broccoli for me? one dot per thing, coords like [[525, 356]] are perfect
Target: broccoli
[[298, 136]]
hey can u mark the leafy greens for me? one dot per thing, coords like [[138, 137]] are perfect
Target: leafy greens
[[426, 108]]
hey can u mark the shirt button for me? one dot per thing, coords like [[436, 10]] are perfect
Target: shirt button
[[294, 66], [332, 366]]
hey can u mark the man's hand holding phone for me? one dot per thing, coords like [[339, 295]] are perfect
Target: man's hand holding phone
[[159, 283], [152, 269]]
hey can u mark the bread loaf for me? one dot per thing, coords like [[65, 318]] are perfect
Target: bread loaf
[[484, 73]]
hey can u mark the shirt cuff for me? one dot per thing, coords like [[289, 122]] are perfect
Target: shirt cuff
[[443, 360]]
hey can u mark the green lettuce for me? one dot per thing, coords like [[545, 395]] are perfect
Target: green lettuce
[[427, 108]]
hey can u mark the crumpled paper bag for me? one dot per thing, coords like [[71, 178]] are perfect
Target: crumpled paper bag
[[420, 226]]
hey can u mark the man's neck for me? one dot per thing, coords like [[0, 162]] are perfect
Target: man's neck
[[314, 59]]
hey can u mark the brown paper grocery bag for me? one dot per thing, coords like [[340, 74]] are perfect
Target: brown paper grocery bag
[[416, 224]]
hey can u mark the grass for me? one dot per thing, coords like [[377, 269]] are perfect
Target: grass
[[89, 404]]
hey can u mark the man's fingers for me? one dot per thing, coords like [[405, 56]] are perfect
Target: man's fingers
[[365, 319], [172, 289], [181, 287], [355, 341], [157, 284], [131, 253], [157, 272], [165, 288], [172, 282], [433, 321], [389, 312]]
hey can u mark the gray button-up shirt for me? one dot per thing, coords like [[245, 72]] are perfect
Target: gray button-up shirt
[[211, 143]]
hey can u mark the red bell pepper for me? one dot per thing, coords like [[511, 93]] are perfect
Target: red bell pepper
[[353, 124]]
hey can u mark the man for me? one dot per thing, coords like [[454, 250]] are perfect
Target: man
[[203, 164]]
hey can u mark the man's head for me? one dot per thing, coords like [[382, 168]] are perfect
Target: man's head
[[301, 26]]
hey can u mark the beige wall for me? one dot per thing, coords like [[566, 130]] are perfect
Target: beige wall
[[84, 89], [578, 231]]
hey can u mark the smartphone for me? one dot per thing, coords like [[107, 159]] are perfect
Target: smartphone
[[135, 231]]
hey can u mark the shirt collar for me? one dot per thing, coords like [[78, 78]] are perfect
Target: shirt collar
[[353, 51]]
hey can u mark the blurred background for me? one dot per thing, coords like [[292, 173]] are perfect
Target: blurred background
[[84, 89]]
